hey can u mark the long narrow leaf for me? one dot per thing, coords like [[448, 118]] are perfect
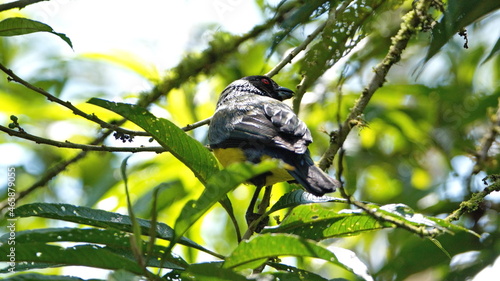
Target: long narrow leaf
[[116, 241], [84, 255], [189, 151], [98, 218]]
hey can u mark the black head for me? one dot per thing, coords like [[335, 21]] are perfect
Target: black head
[[268, 87]]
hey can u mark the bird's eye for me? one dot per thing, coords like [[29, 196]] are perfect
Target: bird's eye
[[265, 81]]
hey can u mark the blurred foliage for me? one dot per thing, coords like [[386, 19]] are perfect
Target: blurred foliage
[[417, 144]]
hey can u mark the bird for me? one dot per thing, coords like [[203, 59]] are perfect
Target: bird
[[252, 123]]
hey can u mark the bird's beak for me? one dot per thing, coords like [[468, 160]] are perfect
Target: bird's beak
[[284, 93]]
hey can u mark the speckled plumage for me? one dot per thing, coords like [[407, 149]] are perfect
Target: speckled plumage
[[251, 122]]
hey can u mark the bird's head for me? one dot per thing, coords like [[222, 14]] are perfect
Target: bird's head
[[269, 88]]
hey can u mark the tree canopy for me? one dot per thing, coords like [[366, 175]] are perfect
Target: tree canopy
[[401, 97]]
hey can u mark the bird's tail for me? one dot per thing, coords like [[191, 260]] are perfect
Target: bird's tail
[[312, 178]]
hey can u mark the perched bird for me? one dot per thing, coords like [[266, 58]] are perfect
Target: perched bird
[[251, 123]]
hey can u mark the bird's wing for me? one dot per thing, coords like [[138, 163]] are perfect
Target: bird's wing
[[269, 124]]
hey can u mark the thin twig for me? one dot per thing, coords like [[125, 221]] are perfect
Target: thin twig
[[296, 51], [67, 104], [306, 80], [197, 124], [422, 231], [409, 26], [473, 203], [487, 142], [18, 4], [51, 173], [84, 147]]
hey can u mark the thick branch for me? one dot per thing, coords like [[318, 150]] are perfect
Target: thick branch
[[411, 21], [84, 147], [18, 4]]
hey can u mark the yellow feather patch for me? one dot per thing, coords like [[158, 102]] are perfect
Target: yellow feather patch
[[228, 156]]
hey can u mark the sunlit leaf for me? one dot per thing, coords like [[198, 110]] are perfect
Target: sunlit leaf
[[128, 61], [317, 223], [256, 251], [22, 26]]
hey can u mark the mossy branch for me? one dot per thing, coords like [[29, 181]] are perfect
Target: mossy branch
[[410, 24]]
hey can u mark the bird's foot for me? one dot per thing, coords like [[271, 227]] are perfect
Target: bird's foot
[[251, 217]]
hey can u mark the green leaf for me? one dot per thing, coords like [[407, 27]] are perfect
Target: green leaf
[[188, 150], [216, 188], [136, 228], [458, 15], [21, 26], [123, 275], [98, 218], [300, 197], [211, 272], [41, 277], [228, 207], [290, 273], [256, 251], [317, 222], [115, 240], [84, 255]]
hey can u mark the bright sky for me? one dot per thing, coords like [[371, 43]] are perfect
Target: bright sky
[[160, 31]]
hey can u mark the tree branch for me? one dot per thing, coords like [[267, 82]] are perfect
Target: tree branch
[[411, 21], [195, 125], [296, 51], [84, 147], [473, 203], [18, 4], [328, 26]]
